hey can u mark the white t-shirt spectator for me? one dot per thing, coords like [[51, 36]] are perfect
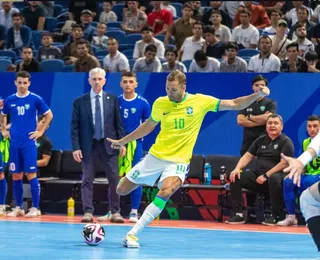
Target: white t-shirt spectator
[[231, 7], [213, 65], [245, 37], [190, 46], [271, 31], [292, 15], [304, 47], [316, 13], [140, 47], [116, 64], [281, 53], [170, 8], [223, 33], [6, 20], [141, 66], [269, 64], [177, 66]]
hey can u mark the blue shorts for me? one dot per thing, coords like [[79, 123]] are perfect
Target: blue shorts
[[23, 159], [138, 154], [1, 163]]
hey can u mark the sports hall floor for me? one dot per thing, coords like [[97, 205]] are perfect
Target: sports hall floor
[[59, 237]]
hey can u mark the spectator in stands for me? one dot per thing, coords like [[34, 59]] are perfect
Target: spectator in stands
[[292, 15], [77, 6], [231, 7], [107, 15], [312, 61], [89, 142], [304, 44], [170, 8], [275, 16], [254, 117], [11, 68], [148, 63], [159, 19], [233, 63], [221, 31], [85, 62], [315, 37], [182, 27], [34, 16], [100, 41], [86, 19], [316, 15], [197, 10], [259, 17], [213, 46], [171, 64], [115, 61], [271, 6], [266, 61], [267, 175], [245, 35], [134, 20], [144, 6], [193, 43], [147, 39], [202, 63], [6, 14], [2, 36], [19, 35], [280, 40], [293, 63], [44, 146], [48, 7], [216, 7], [70, 49], [28, 63], [310, 177], [47, 50], [302, 13]]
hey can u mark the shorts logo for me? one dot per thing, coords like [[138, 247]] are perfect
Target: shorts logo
[[27, 106], [135, 174], [133, 110], [189, 111], [262, 108], [32, 167], [12, 167]]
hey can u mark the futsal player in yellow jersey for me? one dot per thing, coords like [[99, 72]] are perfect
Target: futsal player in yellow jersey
[[180, 115]]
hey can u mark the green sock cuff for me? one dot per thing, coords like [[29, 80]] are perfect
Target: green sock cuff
[[160, 202]]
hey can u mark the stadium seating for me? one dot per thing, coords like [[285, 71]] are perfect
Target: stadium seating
[[10, 55], [119, 35], [128, 53], [117, 8], [58, 9], [4, 64], [36, 37], [51, 23], [52, 65], [114, 25], [178, 7], [68, 68], [248, 52], [187, 63]]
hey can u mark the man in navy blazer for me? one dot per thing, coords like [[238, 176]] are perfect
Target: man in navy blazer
[[95, 116], [24, 31]]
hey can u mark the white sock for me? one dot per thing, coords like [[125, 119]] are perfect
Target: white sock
[[134, 211], [149, 214]]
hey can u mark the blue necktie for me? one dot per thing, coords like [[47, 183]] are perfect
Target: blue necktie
[[98, 120]]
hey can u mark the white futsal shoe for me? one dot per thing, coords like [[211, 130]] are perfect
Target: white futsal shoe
[[130, 241], [2, 210], [17, 212], [290, 220], [33, 213]]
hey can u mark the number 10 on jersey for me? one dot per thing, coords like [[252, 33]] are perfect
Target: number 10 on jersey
[[178, 123]]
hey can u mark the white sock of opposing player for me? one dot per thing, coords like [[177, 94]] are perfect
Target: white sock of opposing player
[[150, 213]]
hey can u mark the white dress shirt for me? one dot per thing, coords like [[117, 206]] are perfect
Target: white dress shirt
[[93, 107]]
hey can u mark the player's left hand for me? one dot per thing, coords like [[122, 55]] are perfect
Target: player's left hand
[[294, 169], [263, 91], [115, 144], [123, 151], [261, 179], [35, 135]]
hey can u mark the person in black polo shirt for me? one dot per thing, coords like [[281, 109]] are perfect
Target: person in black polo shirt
[[28, 63], [254, 117], [268, 174]]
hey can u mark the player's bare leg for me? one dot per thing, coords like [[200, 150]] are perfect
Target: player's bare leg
[[168, 188]]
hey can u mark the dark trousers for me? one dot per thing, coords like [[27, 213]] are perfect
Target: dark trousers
[[110, 166], [274, 185]]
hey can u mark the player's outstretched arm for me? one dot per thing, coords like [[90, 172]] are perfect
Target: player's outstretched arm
[[143, 130], [242, 102]]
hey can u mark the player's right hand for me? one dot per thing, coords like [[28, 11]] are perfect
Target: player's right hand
[[77, 155], [5, 133], [115, 144], [235, 173]]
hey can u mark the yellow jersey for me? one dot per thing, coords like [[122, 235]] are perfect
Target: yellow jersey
[[180, 125]]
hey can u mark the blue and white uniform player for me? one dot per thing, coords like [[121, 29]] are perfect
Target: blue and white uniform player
[[24, 107]]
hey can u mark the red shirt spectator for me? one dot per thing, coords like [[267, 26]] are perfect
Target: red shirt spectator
[[259, 16], [160, 19]]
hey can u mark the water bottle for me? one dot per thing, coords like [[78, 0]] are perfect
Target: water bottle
[[207, 174], [71, 207], [223, 175]]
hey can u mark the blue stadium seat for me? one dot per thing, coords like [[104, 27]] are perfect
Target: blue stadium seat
[[51, 23], [178, 7], [131, 39], [119, 35], [101, 53], [101, 62], [248, 52], [58, 9], [52, 65], [131, 63], [187, 63], [94, 24], [128, 53], [68, 68], [18, 60], [117, 8], [36, 37], [10, 54], [161, 38], [4, 64], [114, 25]]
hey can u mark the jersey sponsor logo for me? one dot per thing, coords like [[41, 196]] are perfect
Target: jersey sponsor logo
[[189, 111], [27, 106], [165, 113], [13, 105], [275, 146], [133, 110], [262, 108]]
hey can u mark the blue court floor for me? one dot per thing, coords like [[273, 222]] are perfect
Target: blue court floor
[[27, 240]]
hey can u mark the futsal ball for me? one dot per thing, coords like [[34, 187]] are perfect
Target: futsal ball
[[93, 234]]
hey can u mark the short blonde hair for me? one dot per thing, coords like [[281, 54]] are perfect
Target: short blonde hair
[[177, 75], [100, 71]]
